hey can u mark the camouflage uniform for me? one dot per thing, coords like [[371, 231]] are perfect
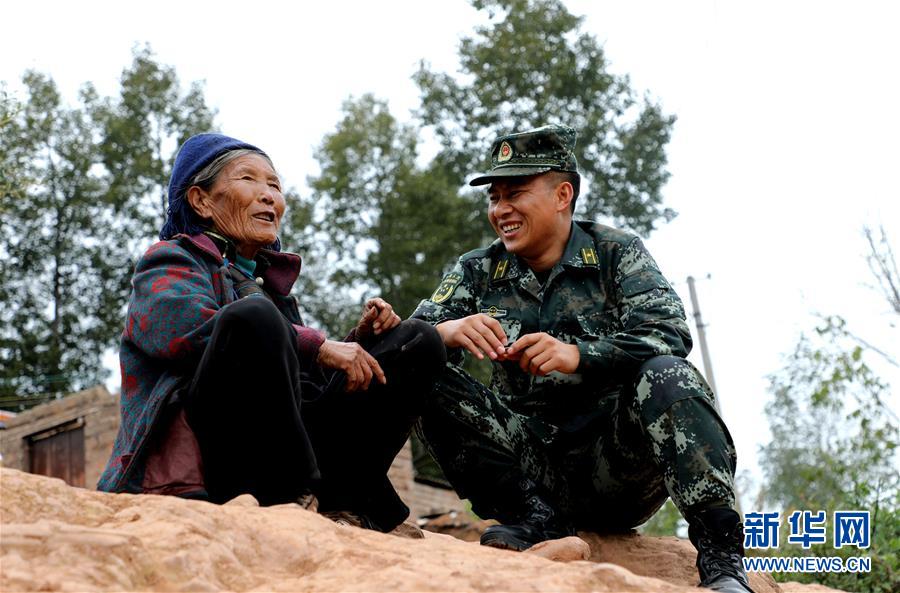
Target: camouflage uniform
[[636, 423]]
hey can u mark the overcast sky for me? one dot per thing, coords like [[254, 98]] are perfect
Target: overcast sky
[[786, 142]]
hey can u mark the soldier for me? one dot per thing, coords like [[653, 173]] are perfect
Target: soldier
[[593, 417]]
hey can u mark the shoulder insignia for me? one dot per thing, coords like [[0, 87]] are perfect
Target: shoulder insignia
[[446, 288], [500, 270], [589, 256]]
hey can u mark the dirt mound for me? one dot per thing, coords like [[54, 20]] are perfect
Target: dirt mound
[[54, 537]]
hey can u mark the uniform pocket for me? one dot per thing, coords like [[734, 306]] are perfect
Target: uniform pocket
[[642, 282]]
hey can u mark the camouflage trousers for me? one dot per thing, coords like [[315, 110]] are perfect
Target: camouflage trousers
[[654, 436]]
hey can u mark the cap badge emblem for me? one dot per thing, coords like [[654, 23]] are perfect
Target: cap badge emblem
[[505, 153]]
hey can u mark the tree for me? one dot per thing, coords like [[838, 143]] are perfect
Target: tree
[[11, 172], [52, 229], [81, 202], [814, 433], [834, 447], [835, 437], [530, 66], [142, 129], [380, 223], [12, 180]]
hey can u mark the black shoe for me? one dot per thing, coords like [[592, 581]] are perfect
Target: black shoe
[[541, 523], [718, 535]]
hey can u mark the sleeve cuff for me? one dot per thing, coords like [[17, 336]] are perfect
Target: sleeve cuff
[[592, 357], [309, 341]]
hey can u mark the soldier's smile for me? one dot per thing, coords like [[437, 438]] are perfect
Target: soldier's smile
[[510, 230], [513, 234]]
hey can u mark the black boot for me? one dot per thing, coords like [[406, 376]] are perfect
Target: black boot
[[718, 535], [540, 522]]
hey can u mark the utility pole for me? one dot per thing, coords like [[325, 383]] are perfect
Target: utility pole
[[707, 366], [701, 335]]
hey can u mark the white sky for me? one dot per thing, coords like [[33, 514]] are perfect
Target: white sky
[[786, 141]]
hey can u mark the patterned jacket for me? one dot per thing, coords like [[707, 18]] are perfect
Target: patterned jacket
[[179, 286], [606, 294]]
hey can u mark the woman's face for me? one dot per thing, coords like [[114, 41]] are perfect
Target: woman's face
[[244, 203]]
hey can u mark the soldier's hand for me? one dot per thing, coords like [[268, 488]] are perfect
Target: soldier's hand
[[541, 353], [378, 316], [350, 357], [476, 333]]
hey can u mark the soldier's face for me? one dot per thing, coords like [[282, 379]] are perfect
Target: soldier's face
[[524, 212]]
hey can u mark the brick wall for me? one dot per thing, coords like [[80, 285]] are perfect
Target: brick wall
[[95, 407]]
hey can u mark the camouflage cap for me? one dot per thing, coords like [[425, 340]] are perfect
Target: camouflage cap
[[548, 148]]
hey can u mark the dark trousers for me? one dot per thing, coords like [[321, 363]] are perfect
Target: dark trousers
[[275, 426], [656, 436]]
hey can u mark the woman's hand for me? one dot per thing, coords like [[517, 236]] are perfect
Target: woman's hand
[[350, 357], [378, 316]]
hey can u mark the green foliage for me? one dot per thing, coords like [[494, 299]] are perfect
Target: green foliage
[[54, 232], [380, 223], [834, 447], [386, 221], [12, 174], [531, 65], [142, 129], [76, 214], [666, 521]]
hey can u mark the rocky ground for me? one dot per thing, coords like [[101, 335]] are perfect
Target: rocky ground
[[57, 538]]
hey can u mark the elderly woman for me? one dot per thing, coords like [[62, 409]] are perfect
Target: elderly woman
[[225, 391]]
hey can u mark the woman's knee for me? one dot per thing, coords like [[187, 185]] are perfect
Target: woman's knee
[[426, 342], [417, 346], [255, 319]]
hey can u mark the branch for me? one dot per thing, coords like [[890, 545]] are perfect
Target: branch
[[884, 266], [837, 324], [875, 349]]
